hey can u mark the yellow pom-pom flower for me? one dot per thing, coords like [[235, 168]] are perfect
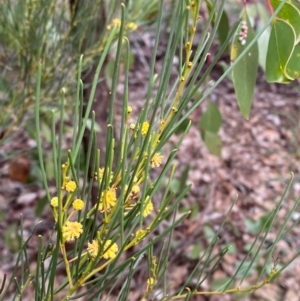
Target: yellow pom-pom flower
[[148, 208], [110, 250], [129, 110], [156, 160], [145, 128], [78, 204], [108, 199], [135, 189], [54, 202], [131, 26], [115, 22], [93, 248], [140, 234], [134, 193], [150, 281], [71, 186], [71, 230], [101, 173]]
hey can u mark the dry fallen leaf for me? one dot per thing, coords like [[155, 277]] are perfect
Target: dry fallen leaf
[[19, 168]]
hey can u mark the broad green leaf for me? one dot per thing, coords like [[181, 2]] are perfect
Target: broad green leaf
[[224, 65], [213, 143], [195, 209], [263, 40], [263, 48], [280, 48], [293, 66], [223, 28], [210, 8], [295, 3], [211, 119], [244, 72], [255, 226], [290, 14], [196, 251], [209, 233], [252, 226]]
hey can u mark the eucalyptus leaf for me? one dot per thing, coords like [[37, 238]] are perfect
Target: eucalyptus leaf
[[290, 14], [211, 119], [280, 48], [213, 143], [244, 72], [223, 29], [295, 3], [293, 66]]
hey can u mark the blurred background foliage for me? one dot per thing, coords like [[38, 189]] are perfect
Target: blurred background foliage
[[55, 32]]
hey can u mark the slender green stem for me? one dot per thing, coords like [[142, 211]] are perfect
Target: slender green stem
[[64, 254]]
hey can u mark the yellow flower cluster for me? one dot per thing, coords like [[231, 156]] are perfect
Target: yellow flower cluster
[[129, 110], [131, 26], [150, 281], [54, 202], [134, 193], [148, 208], [71, 230], [156, 160], [110, 249], [140, 234], [101, 173], [145, 128], [108, 200], [93, 248], [71, 186], [117, 22], [78, 204]]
